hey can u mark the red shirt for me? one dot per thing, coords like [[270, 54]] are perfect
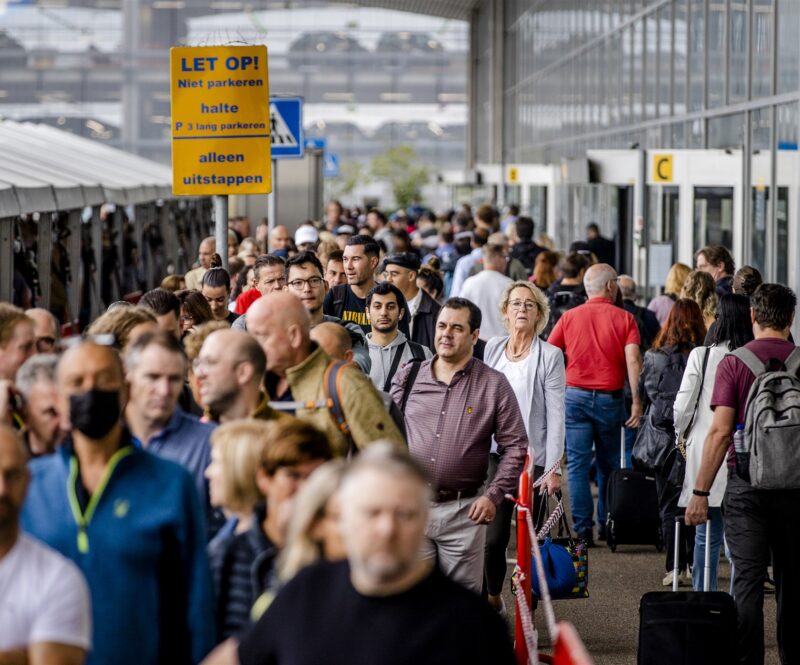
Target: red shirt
[[593, 337], [246, 299]]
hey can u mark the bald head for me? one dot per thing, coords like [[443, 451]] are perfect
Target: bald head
[[206, 252], [627, 286], [236, 346], [279, 238], [228, 370], [45, 329], [598, 281], [281, 326], [334, 340]]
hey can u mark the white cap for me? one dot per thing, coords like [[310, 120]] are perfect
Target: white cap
[[305, 234]]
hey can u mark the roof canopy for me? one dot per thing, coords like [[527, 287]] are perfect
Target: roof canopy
[[45, 169]]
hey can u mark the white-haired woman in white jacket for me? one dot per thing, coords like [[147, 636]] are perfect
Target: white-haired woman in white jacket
[[535, 370]]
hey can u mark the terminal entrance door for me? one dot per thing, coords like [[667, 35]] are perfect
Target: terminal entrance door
[[608, 206], [662, 236]]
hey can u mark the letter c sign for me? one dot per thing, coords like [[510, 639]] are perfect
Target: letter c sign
[[662, 168]]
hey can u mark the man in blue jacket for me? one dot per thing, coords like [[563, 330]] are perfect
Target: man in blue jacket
[[129, 520]]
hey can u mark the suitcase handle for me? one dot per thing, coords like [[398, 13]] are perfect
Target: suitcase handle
[[676, 551]]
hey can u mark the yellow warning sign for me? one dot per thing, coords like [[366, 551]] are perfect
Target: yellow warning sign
[[220, 120], [662, 168], [513, 174]]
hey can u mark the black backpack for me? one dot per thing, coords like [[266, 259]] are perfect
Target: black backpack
[[669, 383], [560, 302]]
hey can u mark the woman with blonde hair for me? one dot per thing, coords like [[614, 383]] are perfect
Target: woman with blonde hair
[[124, 323], [700, 287], [535, 370], [313, 532], [673, 286], [232, 478]]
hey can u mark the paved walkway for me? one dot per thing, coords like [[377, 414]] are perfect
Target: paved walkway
[[608, 621]]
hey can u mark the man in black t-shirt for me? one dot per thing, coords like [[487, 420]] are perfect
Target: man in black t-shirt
[[384, 604], [348, 301]]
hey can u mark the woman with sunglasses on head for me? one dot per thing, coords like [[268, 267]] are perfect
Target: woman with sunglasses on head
[[535, 370]]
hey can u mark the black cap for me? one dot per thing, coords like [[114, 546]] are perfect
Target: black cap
[[407, 260]]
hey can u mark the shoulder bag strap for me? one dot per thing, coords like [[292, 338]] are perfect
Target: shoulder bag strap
[[331, 383], [398, 354], [750, 359], [410, 379], [685, 426], [793, 361]]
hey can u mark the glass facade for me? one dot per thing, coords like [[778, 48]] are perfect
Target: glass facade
[[584, 73], [665, 74]]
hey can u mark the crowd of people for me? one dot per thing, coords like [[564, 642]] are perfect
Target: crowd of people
[[305, 457]]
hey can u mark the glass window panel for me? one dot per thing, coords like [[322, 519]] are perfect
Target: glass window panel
[[761, 45], [786, 139], [650, 67], [713, 216], [696, 131], [716, 53], [726, 131], [788, 45], [679, 58], [761, 187], [697, 39], [638, 70], [664, 60], [738, 51], [627, 75]]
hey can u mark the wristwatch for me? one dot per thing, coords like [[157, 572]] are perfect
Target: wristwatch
[[697, 492]]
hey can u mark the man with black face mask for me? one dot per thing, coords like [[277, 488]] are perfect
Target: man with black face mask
[[130, 521]]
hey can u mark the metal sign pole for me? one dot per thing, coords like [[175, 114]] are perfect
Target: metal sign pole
[[272, 209], [221, 227]]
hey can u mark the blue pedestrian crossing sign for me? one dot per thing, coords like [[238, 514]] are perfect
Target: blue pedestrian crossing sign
[[286, 127], [330, 165]]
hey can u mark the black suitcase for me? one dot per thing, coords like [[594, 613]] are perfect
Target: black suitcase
[[632, 504], [687, 627]]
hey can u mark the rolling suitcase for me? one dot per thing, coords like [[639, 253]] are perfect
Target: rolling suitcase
[[687, 627], [632, 503]]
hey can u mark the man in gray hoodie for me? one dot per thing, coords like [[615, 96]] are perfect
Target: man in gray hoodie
[[389, 349]]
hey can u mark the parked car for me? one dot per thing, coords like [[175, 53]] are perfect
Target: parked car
[[316, 48]]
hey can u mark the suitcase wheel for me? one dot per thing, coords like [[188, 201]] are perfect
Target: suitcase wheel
[[611, 540]]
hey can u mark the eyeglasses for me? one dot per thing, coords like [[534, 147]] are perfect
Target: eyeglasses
[[529, 305], [45, 344], [299, 284]]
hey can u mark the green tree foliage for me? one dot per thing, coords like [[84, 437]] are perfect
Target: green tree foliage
[[351, 175], [399, 166]]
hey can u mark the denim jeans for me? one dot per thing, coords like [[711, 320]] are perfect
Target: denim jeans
[[699, 566], [591, 419]]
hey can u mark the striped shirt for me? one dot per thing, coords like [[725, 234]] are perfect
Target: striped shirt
[[450, 427]]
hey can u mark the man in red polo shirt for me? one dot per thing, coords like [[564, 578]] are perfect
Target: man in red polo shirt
[[601, 344]]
